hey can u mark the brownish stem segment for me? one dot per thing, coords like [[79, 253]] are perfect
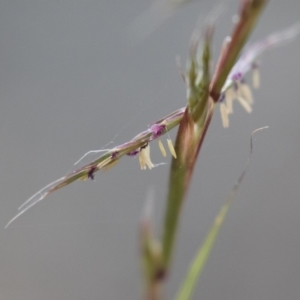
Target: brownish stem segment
[[187, 147], [250, 10]]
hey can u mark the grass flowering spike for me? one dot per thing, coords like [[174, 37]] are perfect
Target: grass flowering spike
[[109, 158], [246, 62], [204, 92], [198, 115]]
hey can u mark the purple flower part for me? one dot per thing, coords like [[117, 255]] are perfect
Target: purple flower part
[[133, 153], [237, 76], [157, 130]]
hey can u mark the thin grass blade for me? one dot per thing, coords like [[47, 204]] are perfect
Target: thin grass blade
[[201, 258]]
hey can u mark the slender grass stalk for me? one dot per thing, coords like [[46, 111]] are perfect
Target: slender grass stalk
[[197, 265], [198, 115]]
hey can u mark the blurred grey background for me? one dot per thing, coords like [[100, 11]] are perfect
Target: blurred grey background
[[76, 75]]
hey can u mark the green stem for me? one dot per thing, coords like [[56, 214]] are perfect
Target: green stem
[[193, 126]]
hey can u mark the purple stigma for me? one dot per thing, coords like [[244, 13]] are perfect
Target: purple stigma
[[237, 76], [157, 130], [133, 153], [115, 154]]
